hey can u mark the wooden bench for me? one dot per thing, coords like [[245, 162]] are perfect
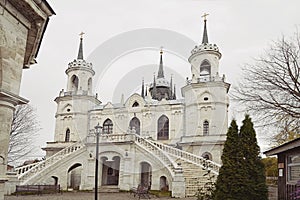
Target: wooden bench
[[140, 191]]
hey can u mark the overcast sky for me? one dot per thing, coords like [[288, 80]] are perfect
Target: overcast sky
[[241, 29]]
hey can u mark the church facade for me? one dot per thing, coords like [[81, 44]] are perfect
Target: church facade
[[152, 139]]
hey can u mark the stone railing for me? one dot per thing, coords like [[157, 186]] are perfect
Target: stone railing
[[25, 168], [111, 138], [23, 176], [158, 152], [204, 79], [198, 160], [142, 142]]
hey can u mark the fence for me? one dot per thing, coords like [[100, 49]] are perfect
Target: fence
[[37, 189], [293, 192]]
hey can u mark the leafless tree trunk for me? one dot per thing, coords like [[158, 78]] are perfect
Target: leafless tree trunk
[[270, 88], [23, 132]]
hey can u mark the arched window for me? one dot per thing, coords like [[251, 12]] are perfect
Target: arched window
[[205, 127], [135, 122], [205, 70], [135, 104], [207, 156], [90, 85], [108, 127], [67, 136], [74, 82], [163, 128]]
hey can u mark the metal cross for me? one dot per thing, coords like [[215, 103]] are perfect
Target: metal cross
[[205, 15], [81, 34]]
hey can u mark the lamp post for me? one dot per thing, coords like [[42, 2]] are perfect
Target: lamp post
[[97, 132]]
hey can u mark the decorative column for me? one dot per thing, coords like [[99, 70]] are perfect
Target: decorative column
[[22, 25]]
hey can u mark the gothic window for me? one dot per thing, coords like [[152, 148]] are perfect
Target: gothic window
[[74, 82], [205, 127], [135, 122], [108, 127], [90, 85], [163, 128], [135, 104], [67, 136], [205, 70]]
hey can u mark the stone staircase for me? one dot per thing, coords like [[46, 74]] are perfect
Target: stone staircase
[[26, 174], [108, 189], [161, 155], [195, 177], [195, 168]]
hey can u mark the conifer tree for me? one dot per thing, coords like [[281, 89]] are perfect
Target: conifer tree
[[254, 186], [242, 175], [230, 177]]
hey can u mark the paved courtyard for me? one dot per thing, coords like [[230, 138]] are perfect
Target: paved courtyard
[[84, 196]]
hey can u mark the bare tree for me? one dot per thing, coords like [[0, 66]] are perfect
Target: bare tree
[[23, 131], [270, 88]]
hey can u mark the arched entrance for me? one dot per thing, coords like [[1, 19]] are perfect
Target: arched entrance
[[74, 176], [110, 171], [146, 174], [55, 180], [163, 184]]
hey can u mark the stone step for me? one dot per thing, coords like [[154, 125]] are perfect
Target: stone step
[[108, 189]]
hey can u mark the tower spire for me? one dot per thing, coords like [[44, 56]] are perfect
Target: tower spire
[[174, 93], [80, 52], [161, 66], [205, 36], [154, 88], [143, 89], [171, 87]]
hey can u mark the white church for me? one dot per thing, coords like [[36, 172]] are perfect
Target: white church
[[169, 143]]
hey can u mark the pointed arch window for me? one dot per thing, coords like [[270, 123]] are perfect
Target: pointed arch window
[[74, 82], [163, 128], [136, 124], [90, 85], [205, 127], [107, 127], [67, 136], [205, 71], [135, 104]]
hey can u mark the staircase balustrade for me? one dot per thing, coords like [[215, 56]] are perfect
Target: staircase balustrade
[[198, 160], [26, 174], [159, 152]]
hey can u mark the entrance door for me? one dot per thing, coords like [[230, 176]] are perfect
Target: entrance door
[[146, 174], [110, 171]]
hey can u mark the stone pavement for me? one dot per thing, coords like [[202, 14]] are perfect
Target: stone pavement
[[85, 196]]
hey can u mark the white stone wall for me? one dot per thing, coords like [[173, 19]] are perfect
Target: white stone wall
[[148, 114]]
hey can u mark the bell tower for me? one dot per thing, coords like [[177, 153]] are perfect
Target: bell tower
[[73, 104], [206, 101]]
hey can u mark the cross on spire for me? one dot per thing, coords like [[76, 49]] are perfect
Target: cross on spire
[[81, 34], [205, 15], [205, 36], [80, 51], [161, 66]]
